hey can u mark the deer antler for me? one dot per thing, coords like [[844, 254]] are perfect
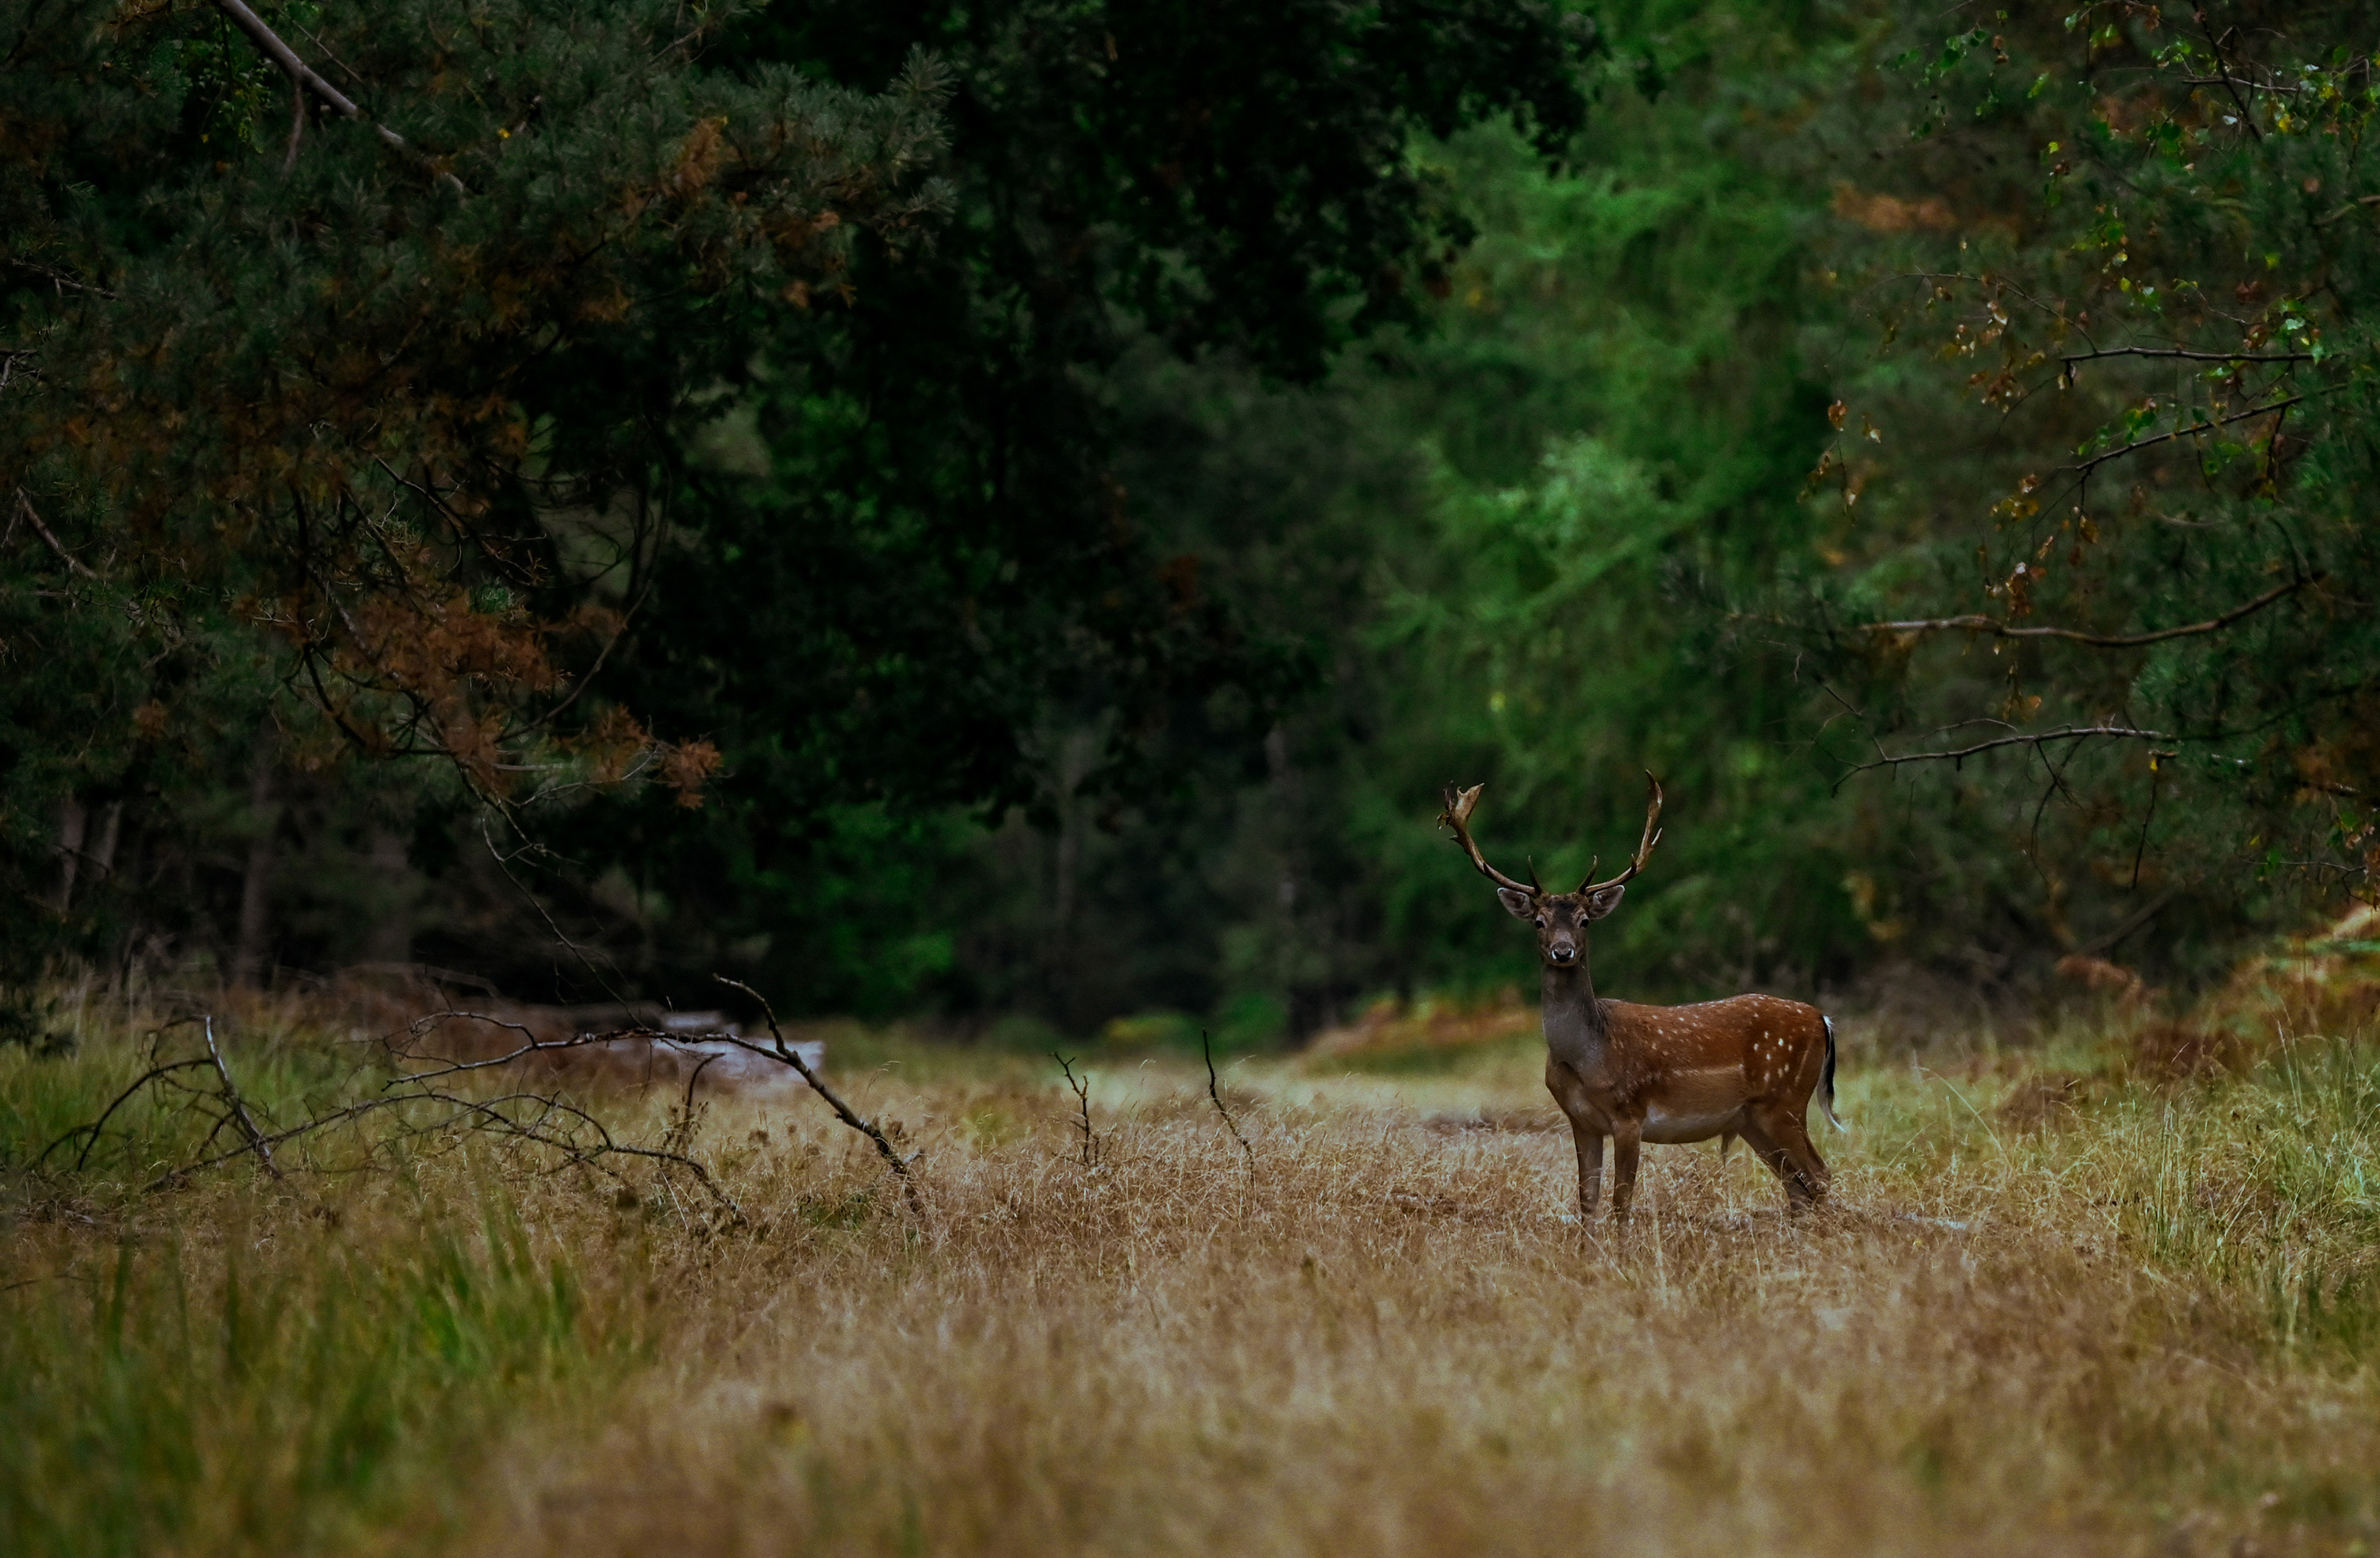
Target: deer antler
[[1457, 816], [1643, 848]]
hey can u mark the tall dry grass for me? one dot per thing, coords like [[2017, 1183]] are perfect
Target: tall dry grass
[[2057, 1304]]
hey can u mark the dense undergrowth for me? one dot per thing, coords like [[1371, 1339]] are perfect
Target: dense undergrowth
[[2065, 1299]]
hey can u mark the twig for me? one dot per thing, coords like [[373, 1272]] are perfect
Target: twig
[[2193, 430], [1207, 1048], [91, 1132], [488, 1114], [58, 281], [73, 563], [1082, 1087], [538, 1119], [2156, 783], [2073, 358], [2077, 733], [843, 1112], [681, 1136], [2223, 74], [2097, 641]]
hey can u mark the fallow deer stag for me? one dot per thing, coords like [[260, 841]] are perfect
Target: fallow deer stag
[[1742, 1066]]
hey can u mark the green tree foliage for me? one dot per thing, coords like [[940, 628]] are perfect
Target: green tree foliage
[[499, 385], [2100, 465], [363, 421], [1066, 516], [1777, 355], [921, 566]]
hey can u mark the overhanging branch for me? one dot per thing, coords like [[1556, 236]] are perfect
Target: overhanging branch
[[1999, 629], [306, 78], [1955, 754], [2095, 461], [2073, 358]]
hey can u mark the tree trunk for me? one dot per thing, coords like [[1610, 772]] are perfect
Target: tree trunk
[[111, 828], [391, 940], [255, 903], [72, 820]]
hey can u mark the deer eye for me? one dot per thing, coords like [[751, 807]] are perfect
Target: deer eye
[[1541, 922]]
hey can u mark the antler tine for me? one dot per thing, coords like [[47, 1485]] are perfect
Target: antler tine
[[1457, 816], [1645, 846]]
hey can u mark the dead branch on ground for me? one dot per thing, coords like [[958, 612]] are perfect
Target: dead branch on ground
[[843, 1112], [1207, 1048], [424, 1111], [1082, 1087]]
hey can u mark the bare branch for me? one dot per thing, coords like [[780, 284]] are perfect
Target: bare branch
[[91, 1132], [2097, 461], [488, 1115], [1082, 1090], [1207, 1048], [2073, 358], [58, 280], [74, 563], [297, 69], [304, 77], [843, 1112], [541, 1120], [1997, 629], [2072, 733]]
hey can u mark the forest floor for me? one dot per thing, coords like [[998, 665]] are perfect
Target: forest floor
[[2061, 1301]]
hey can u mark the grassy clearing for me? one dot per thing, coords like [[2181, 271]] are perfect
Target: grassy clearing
[[2056, 1306]]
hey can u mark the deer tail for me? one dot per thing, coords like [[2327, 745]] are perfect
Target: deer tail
[[1826, 1082]]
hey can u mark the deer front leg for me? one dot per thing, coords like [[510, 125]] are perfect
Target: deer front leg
[[1589, 1142], [1626, 1137], [1586, 1133]]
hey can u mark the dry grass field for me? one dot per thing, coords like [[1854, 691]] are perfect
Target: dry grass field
[[2065, 1299]]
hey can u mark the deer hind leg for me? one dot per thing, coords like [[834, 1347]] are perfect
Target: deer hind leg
[[1762, 1134], [1795, 1136], [1781, 1142]]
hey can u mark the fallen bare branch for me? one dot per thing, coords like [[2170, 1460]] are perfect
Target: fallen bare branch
[[548, 1121], [1082, 1087], [1207, 1048], [236, 1106], [843, 1112], [91, 1132]]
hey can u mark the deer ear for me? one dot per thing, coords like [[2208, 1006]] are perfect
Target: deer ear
[[1603, 903], [1516, 903]]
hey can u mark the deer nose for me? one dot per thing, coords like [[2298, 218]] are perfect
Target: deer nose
[[1563, 954]]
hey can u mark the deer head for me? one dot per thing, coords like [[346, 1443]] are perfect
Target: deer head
[[1561, 919]]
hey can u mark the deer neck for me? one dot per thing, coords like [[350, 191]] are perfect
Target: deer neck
[[1575, 1030]]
